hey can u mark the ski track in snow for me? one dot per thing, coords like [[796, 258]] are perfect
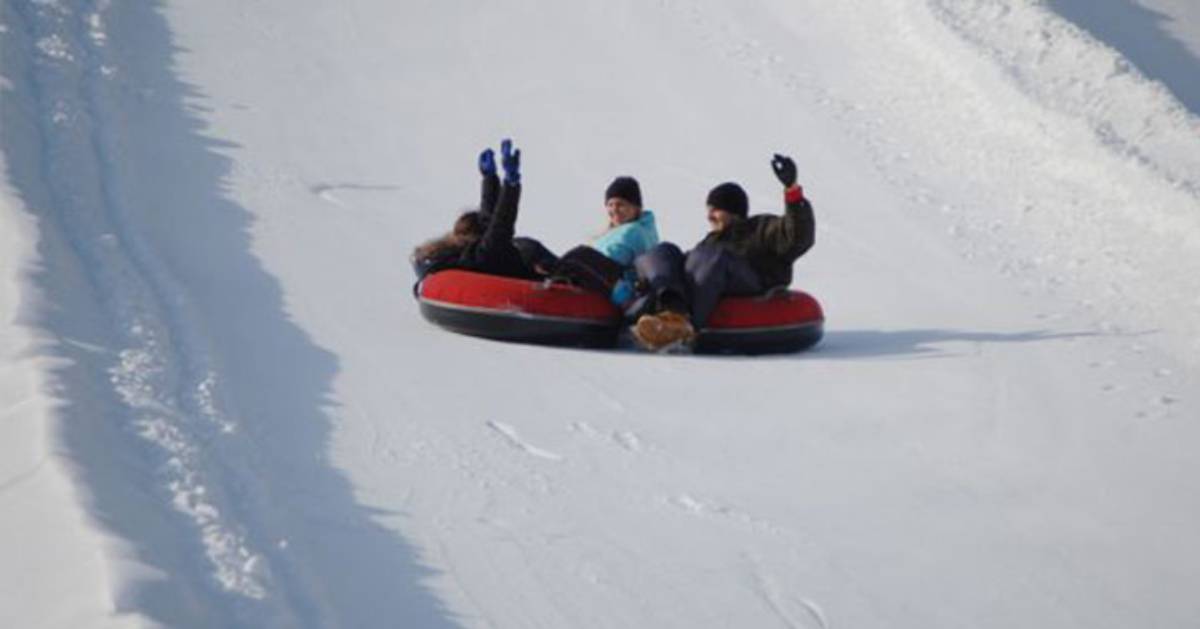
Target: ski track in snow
[[161, 373]]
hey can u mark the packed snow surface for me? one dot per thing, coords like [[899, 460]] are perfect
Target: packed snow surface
[[221, 408]]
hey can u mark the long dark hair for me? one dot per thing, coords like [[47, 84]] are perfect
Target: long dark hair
[[468, 228]]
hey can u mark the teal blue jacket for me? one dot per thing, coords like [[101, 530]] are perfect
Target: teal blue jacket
[[622, 244], [625, 242]]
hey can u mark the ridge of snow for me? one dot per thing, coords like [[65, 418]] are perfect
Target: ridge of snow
[[1149, 187], [1065, 69], [1058, 180]]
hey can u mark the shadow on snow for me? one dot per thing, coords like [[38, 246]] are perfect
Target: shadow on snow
[[330, 562], [1141, 35], [920, 343]]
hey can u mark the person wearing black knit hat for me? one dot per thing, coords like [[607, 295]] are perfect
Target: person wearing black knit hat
[[625, 188], [606, 264], [726, 203], [741, 255], [484, 241]]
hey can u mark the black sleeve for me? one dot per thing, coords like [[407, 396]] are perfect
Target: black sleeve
[[489, 196]]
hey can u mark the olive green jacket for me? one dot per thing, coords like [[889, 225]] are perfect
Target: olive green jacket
[[770, 243]]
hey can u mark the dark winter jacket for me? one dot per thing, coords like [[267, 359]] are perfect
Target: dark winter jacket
[[493, 252], [771, 243]]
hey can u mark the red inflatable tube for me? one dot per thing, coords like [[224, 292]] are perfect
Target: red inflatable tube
[[509, 309], [778, 322], [525, 311]]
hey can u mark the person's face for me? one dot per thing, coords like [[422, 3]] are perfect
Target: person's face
[[620, 211], [719, 219]]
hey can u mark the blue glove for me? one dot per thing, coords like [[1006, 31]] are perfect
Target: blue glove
[[622, 293], [511, 160], [487, 163]]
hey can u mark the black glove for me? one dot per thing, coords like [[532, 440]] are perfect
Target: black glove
[[785, 170], [487, 163], [511, 161]]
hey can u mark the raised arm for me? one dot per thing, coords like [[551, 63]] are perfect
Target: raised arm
[[490, 192], [792, 234]]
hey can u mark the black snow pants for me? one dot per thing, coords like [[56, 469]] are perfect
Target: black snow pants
[[535, 255], [582, 266], [588, 268], [693, 283]]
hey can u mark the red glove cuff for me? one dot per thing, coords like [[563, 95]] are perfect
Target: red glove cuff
[[795, 194]]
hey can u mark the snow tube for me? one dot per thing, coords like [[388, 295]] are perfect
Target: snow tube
[[508, 309], [777, 322], [524, 311]]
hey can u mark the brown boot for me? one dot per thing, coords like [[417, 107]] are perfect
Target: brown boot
[[656, 332]]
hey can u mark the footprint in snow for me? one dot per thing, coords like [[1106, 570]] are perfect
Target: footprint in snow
[[628, 440], [796, 612], [585, 429], [1163, 406], [708, 509], [625, 439], [1167, 400]]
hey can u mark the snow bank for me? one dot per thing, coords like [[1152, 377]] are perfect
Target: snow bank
[[1042, 152], [1069, 72], [1133, 216], [1159, 37]]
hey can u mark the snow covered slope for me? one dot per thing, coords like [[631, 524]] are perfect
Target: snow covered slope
[[222, 407]]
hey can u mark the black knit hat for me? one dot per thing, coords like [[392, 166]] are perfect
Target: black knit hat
[[730, 197], [625, 188]]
